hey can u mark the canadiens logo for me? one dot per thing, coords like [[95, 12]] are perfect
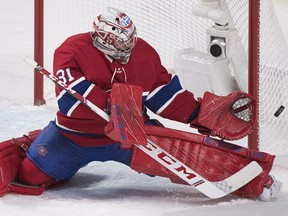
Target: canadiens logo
[[125, 21], [42, 150]]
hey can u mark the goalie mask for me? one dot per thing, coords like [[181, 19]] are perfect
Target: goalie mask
[[115, 34]]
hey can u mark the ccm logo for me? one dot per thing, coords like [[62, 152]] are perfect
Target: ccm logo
[[173, 165]]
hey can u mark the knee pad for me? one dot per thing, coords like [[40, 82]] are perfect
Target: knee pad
[[30, 174]]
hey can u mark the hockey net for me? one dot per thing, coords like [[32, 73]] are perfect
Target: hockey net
[[169, 26]]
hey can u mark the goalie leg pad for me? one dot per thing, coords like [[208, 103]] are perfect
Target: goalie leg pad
[[8, 171], [213, 159], [12, 152]]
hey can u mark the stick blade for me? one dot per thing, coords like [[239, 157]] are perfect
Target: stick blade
[[240, 178], [126, 122]]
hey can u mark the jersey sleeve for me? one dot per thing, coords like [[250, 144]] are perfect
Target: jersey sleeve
[[169, 100], [65, 67]]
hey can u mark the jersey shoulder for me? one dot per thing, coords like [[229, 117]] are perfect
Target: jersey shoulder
[[79, 37], [141, 43], [143, 48], [78, 40]]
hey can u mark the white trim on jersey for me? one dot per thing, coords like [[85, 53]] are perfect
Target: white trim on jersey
[[169, 101], [65, 128], [70, 86], [158, 89], [70, 111]]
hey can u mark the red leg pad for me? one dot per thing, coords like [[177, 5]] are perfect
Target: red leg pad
[[12, 152], [214, 159], [8, 170], [10, 158]]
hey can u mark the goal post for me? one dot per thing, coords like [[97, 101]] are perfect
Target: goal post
[[253, 63], [38, 50]]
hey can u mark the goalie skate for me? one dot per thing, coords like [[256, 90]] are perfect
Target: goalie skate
[[271, 190]]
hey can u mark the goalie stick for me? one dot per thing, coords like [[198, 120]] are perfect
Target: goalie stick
[[212, 190]]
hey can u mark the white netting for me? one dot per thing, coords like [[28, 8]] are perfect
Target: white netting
[[273, 80], [169, 25]]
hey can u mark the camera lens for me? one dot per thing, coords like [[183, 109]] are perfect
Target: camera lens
[[215, 50]]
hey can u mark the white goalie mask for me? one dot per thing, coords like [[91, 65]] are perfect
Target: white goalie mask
[[115, 34]]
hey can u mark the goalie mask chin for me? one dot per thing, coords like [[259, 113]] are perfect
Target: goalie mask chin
[[115, 34]]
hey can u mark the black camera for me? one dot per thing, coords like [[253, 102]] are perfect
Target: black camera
[[217, 47]]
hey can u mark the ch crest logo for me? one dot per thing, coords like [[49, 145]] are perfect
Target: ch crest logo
[[42, 150], [125, 21]]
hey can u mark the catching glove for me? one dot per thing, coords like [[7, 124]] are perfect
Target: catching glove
[[229, 117]]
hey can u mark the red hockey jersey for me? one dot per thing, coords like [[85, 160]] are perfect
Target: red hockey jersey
[[88, 71]]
